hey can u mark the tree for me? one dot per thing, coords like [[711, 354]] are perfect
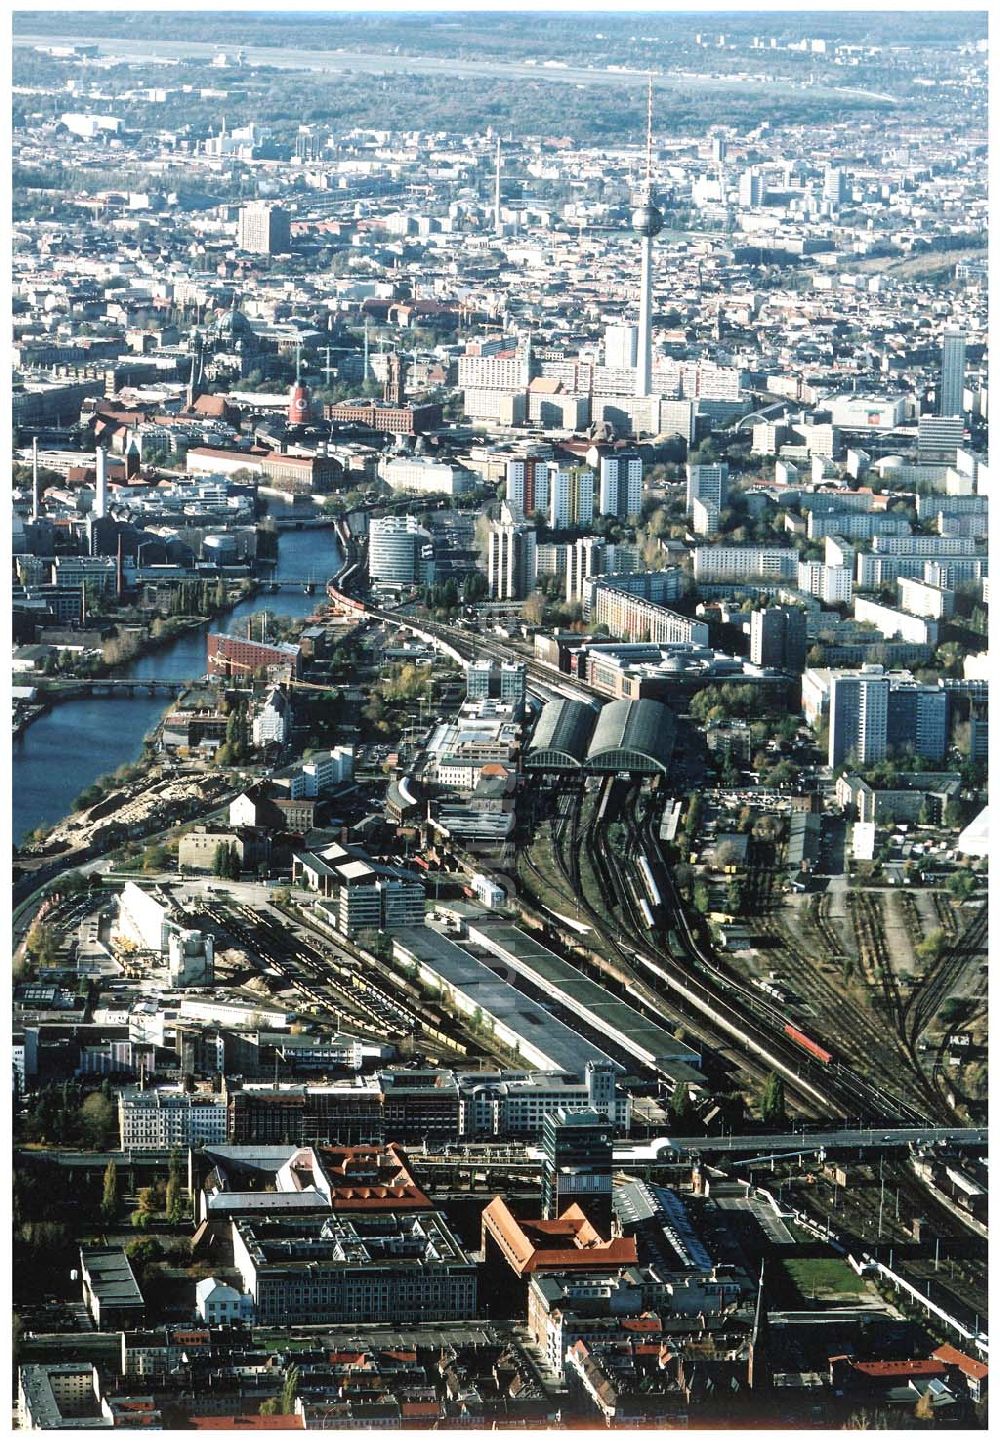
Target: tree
[[962, 884], [269, 1407], [680, 1108], [290, 1390], [701, 900], [109, 1198], [175, 1199], [98, 1120], [146, 1207], [772, 1100]]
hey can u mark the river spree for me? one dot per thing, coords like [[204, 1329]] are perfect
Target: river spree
[[74, 743]]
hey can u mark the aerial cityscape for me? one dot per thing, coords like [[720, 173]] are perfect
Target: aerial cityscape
[[500, 719]]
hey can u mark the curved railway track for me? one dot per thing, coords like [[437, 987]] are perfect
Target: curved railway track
[[927, 998]]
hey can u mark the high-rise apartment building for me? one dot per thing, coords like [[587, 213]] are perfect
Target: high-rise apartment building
[[571, 495], [527, 481], [873, 712], [709, 484], [952, 384], [263, 229], [511, 562], [859, 708], [778, 638], [621, 484]]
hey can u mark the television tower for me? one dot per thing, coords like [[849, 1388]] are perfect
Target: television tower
[[497, 223], [647, 222]]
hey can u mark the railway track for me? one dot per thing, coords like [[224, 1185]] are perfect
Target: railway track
[[944, 911], [617, 907], [927, 998], [845, 1087]]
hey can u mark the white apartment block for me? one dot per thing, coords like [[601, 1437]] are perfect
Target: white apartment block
[[924, 600], [894, 623], [745, 563], [830, 584], [857, 525], [636, 619], [925, 546], [165, 1118], [621, 485]]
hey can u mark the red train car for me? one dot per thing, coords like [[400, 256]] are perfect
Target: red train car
[[808, 1044]]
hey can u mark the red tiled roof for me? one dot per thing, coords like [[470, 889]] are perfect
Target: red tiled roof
[[898, 1368], [973, 1368]]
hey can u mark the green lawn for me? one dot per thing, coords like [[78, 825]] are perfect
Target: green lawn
[[816, 1277]]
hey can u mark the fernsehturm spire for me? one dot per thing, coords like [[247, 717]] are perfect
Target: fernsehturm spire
[[647, 222]]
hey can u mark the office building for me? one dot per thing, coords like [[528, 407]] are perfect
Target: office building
[[859, 706], [751, 189], [834, 185], [778, 638], [400, 552], [511, 562], [346, 1112], [423, 475], [369, 904], [939, 439], [487, 678], [621, 483], [708, 484], [230, 656], [951, 387], [382, 1268], [527, 482], [263, 229], [577, 1165], [571, 496]]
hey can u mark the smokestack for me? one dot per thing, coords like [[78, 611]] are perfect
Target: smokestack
[[36, 495], [497, 223], [120, 571], [101, 497]]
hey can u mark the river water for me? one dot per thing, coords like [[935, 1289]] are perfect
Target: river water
[[74, 743]]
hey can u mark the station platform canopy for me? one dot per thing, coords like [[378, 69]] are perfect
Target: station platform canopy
[[636, 737], [560, 739]]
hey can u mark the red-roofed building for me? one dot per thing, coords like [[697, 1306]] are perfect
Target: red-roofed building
[[875, 1376], [514, 1249], [975, 1373]]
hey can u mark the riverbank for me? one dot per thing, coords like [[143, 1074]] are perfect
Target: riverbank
[[67, 747]]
